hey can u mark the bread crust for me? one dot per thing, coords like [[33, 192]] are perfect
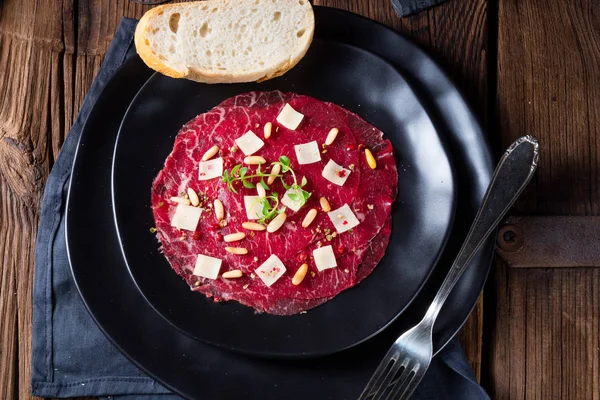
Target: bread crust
[[211, 76], [143, 48]]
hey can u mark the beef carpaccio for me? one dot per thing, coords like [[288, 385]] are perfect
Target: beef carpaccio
[[276, 200]]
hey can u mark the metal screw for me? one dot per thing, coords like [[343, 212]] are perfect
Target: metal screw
[[510, 238]]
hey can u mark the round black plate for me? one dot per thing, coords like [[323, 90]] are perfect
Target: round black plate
[[422, 215], [200, 371]]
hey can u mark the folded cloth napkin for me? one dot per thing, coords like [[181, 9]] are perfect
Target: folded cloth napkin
[[405, 8], [72, 357]]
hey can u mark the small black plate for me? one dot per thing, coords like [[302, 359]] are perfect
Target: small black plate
[[422, 215], [199, 371]]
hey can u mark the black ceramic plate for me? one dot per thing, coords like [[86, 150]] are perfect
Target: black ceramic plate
[[200, 371], [422, 215]]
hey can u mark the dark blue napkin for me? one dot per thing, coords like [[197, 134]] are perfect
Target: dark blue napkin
[[408, 7], [72, 357]]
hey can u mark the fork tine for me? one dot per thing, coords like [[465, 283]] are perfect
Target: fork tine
[[412, 385], [407, 377], [388, 392], [379, 374], [381, 389]]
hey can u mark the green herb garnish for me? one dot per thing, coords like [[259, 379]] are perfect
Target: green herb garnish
[[300, 194], [240, 173], [269, 206]]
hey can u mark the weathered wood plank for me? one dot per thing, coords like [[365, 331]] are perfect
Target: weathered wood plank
[[545, 342], [471, 337], [31, 130], [8, 307]]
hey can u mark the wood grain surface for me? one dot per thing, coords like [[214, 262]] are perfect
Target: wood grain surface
[[544, 337], [536, 72]]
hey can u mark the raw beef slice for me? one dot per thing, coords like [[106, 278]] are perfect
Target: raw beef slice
[[369, 192]]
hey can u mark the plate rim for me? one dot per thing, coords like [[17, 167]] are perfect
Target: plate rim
[[453, 199], [485, 157]]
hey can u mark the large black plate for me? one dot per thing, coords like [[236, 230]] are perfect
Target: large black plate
[[422, 215], [197, 370]]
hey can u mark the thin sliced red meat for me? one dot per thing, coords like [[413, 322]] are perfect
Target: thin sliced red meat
[[221, 126], [291, 243]]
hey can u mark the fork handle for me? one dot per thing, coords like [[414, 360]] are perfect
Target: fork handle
[[514, 171]]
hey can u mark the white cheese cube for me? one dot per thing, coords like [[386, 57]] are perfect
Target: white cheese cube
[[271, 270], [254, 208], [186, 217], [210, 169], [292, 203], [335, 173], [249, 143], [343, 218], [308, 153], [324, 258], [207, 267], [289, 117]]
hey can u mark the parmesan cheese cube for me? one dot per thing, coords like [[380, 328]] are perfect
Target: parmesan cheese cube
[[335, 173], [308, 153], [249, 143], [186, 217], [289, 117], [324, 258], [295, 201], [271, 270], [207, 267], [210, 169], [254, 208], [343, 218]]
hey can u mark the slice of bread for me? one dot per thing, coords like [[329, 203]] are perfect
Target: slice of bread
[[225, 41]]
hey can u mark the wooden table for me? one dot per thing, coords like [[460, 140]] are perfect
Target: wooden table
[[526, 66]]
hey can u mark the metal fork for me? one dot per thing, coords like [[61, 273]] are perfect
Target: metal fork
[[405, 364]]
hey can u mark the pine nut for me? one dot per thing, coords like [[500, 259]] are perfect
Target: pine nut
[[309, 218], [370, 159], [254, 160], [267, 130], [253, 226], [219, 210], [236, 273], [331, 136], [300, 274], [210, 153], [237, 250], [275, 170], [193, 197], [261, 191], [325, 206], [276, 223], [180, 200], [234, 237]]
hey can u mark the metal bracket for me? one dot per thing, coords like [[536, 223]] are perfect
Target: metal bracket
[[550, 242]]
